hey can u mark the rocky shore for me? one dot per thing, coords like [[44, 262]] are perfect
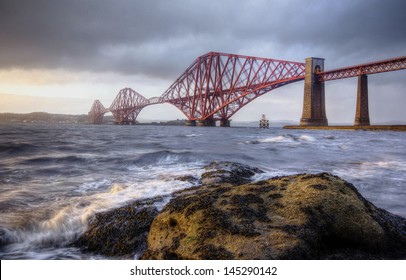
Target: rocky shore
[[305, 216]]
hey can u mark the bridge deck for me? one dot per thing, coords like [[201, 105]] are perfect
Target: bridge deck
[[381, 66]]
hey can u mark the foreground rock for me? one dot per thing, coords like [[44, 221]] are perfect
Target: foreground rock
[[228, 172], [293, 217], [123, 232], [229, 217], [119, 232]]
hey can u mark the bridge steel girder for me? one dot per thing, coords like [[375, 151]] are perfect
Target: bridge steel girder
[[127, 105], [361, 71], [217, 85], [97, 112], [387, 65]]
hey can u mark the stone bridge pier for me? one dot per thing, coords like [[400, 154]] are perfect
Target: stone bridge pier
[[314, 107], [362, 111]]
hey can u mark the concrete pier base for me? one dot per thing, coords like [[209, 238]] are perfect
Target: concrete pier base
[[313, 122], [225, 123], [190, 123], [314, 108], [206, 122], [362, 110]]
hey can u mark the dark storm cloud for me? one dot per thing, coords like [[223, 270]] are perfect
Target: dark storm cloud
[[161, 38]]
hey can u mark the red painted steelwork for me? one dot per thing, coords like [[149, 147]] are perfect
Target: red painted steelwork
[[217, 85], [127, 105], [393, 64], [97, 112]]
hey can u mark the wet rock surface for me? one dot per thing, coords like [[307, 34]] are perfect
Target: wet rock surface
[[227, 216], [228, 172], [123, 232], [120, 232], [294, 217]]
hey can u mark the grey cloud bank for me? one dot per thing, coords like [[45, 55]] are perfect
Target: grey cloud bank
[[159, 39]]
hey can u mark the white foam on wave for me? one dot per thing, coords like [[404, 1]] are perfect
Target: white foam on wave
[[365, 169], [389, 164], [71, 216], [382, 164], [63, 225], [92, 186], [116, 188], [169, 159], [284, 139], [270, 173], [167, 167], [193, 135], [275, 139], [307, 138]]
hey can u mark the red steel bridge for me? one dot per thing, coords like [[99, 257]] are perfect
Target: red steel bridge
[[217, 85]]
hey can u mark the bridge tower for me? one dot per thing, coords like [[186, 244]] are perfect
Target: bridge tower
[[362, 112], [314, 107]]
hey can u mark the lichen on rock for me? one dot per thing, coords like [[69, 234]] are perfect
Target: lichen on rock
[[120, 232], [293, 217], [227, 216]]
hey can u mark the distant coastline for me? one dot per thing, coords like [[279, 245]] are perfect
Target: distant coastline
[[48, 118], [42, 117]]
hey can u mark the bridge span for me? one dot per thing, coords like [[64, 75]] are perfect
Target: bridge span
[[217, 85]]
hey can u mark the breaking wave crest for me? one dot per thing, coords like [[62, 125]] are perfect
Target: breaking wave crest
[[286, 138]]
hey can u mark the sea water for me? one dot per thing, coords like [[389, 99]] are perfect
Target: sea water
[[54, 178]]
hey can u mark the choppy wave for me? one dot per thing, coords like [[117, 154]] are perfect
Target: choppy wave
[[93, 186], [389, 164], [70, 217], [163, 158], [364, 169], [53, 179], [193, 135], [67, 159], [286, 138], [17, 148]]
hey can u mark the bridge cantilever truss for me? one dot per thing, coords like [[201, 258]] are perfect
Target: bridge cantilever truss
[[217, 85], [214, 87], [127, 105], [97, 112]]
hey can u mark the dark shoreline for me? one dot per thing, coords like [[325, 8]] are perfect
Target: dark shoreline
[[351, 127]]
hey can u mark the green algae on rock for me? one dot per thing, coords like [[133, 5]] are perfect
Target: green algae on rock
[[119, 232], [303, 216], [294, 217], [122, 232]]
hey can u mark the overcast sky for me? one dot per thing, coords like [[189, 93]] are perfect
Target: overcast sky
[[79, 51]]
